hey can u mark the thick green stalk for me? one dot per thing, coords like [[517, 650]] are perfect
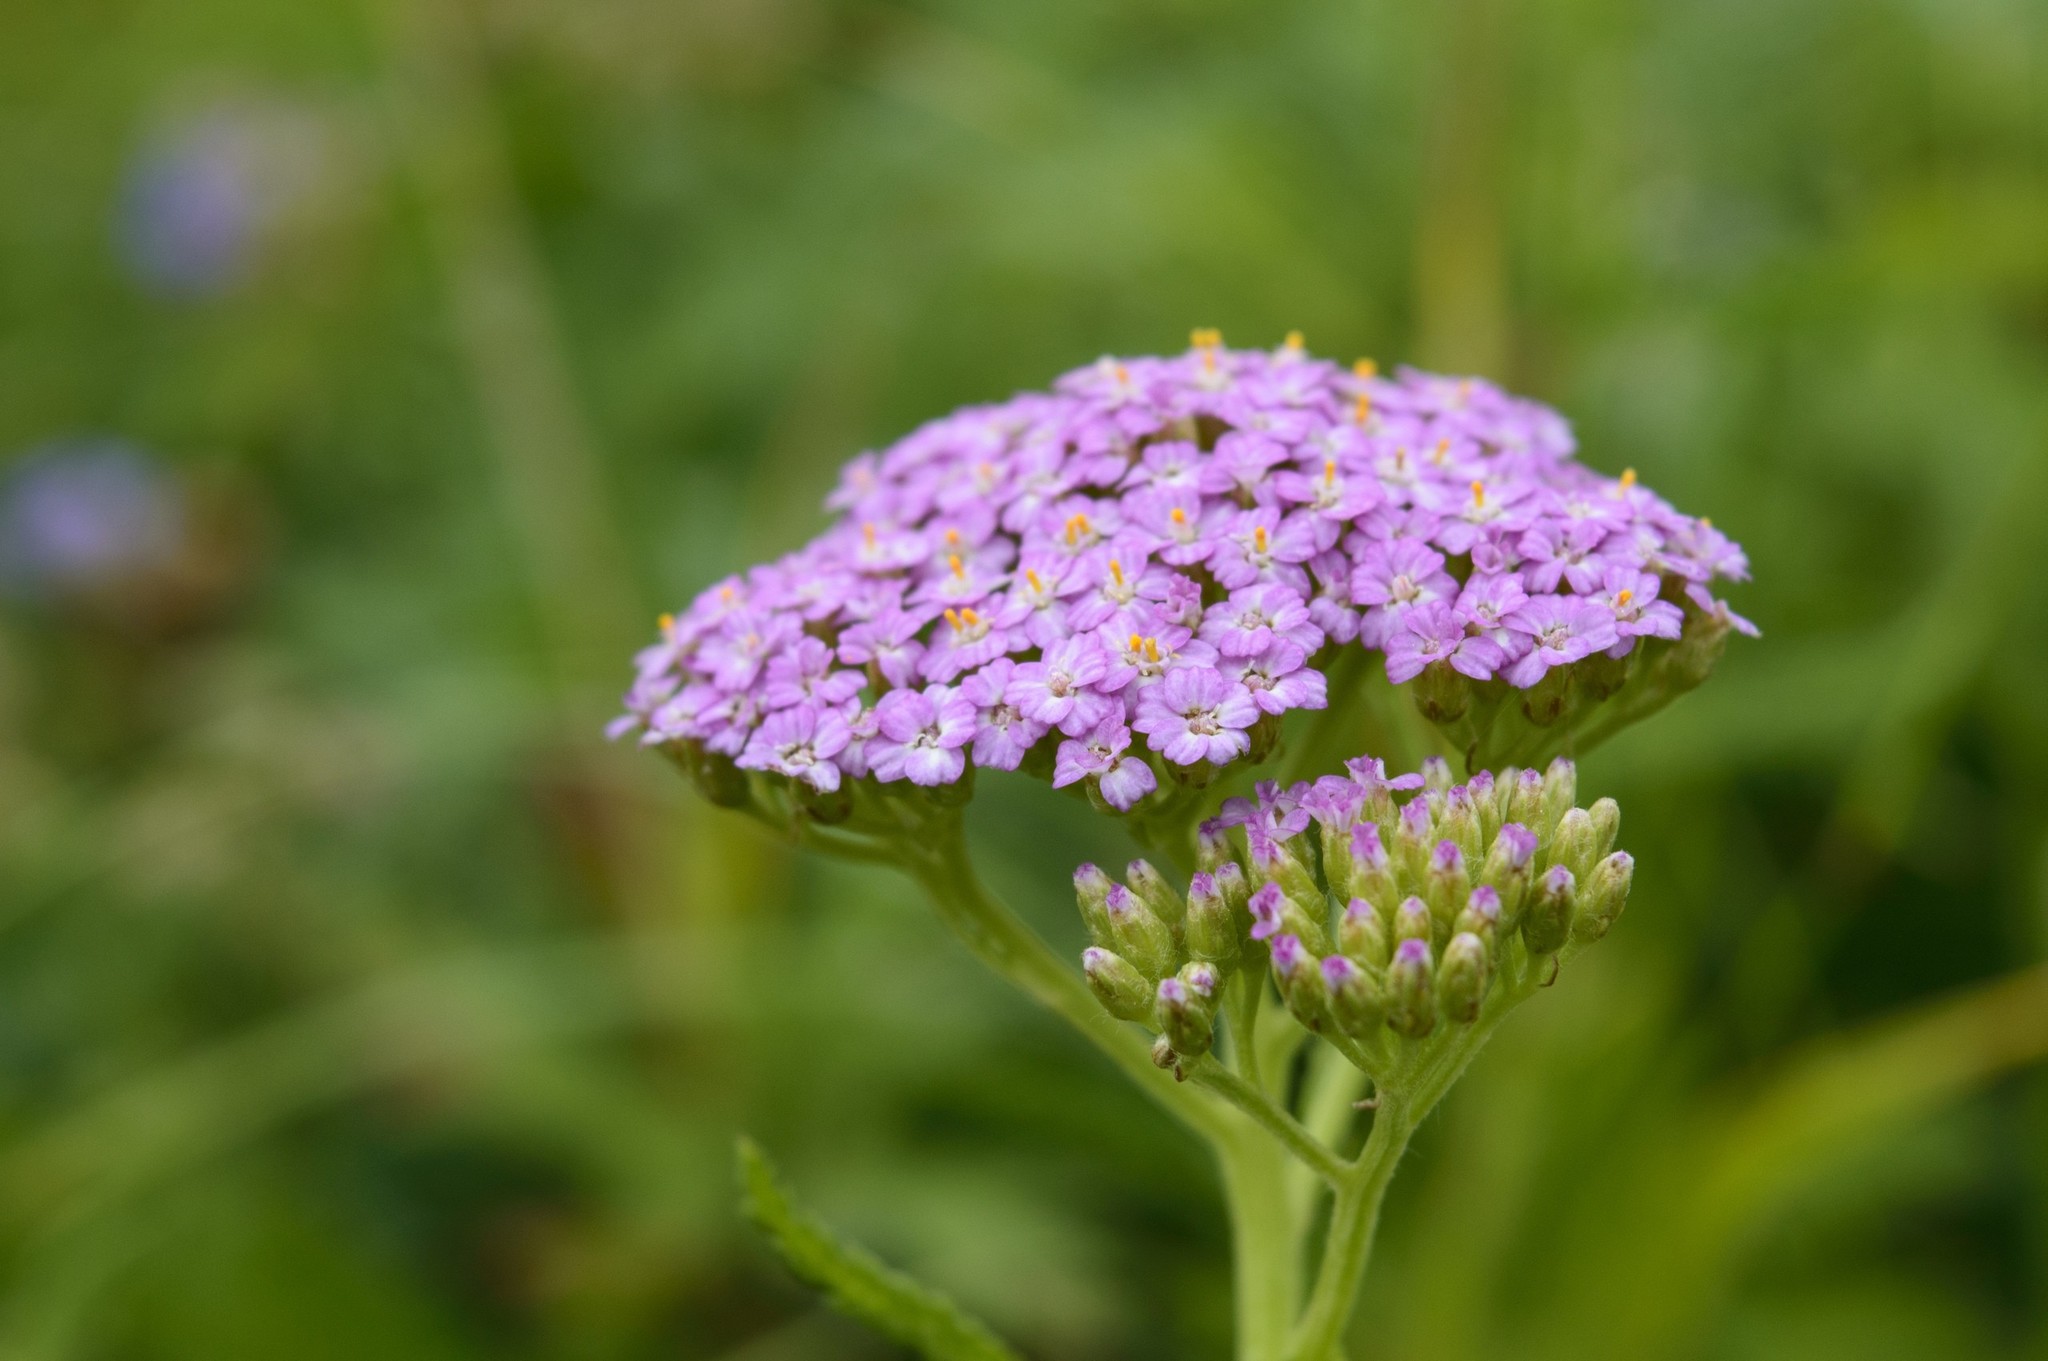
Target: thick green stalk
[[1265, 1243], [1353, 1218], [1255, 1104]]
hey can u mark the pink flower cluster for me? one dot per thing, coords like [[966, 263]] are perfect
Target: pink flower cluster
[[1164, 551]]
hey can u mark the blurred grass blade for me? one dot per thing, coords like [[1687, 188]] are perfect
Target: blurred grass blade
[[854, 1280]]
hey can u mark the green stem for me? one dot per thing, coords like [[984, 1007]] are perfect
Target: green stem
[[1265, 1244], [1002, 940], [1313, 1154]]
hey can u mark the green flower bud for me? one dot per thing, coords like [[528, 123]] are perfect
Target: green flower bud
[[1509, 865], [1184, 1009], [1233, 884], [1273, 862], [1372, 873], [1335, 842], [1120, 988], [1525, 802], [1412, 840], [1462, 979], [1442, 695], [1571, 845], [1362, 936], [1448, 884], [1560, 792], [1212, 846], [1412, 922], [1481, 917], [1545, 702], [1436, 774], [1548, 922], [1604, 896], [1606, 815], [1488, 803], [1300, 976], [1163, 1055], [1212, 929], [1091, 891], [1411, 991], [1460, 822], [1139, 936], [1153, 891], [1276, 913], [1358, 999]]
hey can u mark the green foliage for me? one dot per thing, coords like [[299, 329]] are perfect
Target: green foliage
[[854, 1279]]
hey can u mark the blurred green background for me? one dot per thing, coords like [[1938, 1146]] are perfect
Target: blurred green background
[[357, 1001]]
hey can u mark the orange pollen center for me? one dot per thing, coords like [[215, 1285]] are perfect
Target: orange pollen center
[[1180, 517], [1478, 493], [971, 617], [1330, 471], [1152, 649], [1361, 411], [1293, 340], [666, 622], [867, 533], [1137, 644], [1705, 523], [1628, 478], [1036, 584], [1365, 368], [1116, 569], [1123, 375], [1622, 597], [952, 538], [725, 593], [1205, 337], [953, 561], [1259, 539]]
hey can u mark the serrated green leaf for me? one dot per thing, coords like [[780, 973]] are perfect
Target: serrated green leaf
[[854, 1280]]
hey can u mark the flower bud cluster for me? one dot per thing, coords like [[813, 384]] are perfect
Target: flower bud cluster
[[1378, 904], [1133, 577]]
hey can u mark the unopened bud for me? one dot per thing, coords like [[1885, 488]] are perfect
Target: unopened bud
[[1212, 846], [1372, 874], [1485, 802], [1545, 702], [1481, 917], [1448, 884], [1525, 800], [1461, 980], [1153, 891], [1606, 815], [1411, 990], [1362, 936], [1571, 845], [1509, 865], [1273, 862], [1276, 913], [1460, 821], [1604, 895], [1412, 841], [1162, 1053], [1436, 774], [1184, 1013], [1232, 884], [1412, 921], [1547, 925], [1358, 1000], [1091, 891], [1120, 988], [1137, 935], [1300, 976], [1211, 926], [1560, 792]]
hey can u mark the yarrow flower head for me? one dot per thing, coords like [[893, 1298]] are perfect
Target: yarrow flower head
[[1128, 582]]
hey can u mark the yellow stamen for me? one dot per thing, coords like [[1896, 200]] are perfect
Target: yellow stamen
[[985, 470], [1366, 368], [725, 593], [1259, 539], [1622, 597], [971, 617], [1330, 472], [953, 562], [1293, 341], [1137, 644], [1123, 375], [952, 538], [1400, 458], [1152, 649], [1179, 516], [666, 622], [1443, 447], [1705, 523], [953, 618], [1036, 584], [1478, 494], [1116, 569], [1361, 410], [867, 533], [1205, 337], [1628, 478]]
